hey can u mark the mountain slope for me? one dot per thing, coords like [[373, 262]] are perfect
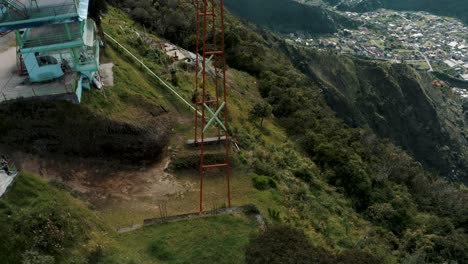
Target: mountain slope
[[397, 102], [286, 16], [344, 187]]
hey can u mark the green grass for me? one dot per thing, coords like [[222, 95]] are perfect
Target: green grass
[[219, 239], [24, 212]]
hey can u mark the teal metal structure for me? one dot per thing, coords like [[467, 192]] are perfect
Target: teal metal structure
[[54, 40]]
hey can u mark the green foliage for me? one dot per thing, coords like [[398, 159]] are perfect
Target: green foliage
[[274, 214], [34, 257], [356, 257], [95, 256], [97, 8], [369, 173], [39, 223], [174, 78], [396, 220], [260, 111], [158, 249], [218, 239], [263, 182], [282, 245]]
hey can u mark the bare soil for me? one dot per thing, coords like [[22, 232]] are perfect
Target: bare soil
[[106, 186]]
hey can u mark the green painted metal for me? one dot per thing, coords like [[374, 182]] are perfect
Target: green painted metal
[[75, 56], [214, 117], [52, 35], [19, 40], [17, 24], [69, 34], [61, 46], [18, 6]]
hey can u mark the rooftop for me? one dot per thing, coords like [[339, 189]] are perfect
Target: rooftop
[[45, 12]]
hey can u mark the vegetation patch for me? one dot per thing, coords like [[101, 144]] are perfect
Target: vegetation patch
[[263, 182]]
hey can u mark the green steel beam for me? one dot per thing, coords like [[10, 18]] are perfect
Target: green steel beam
[[214, 117], [19, 40], [75, 57], [207, 62], [39, 20], [67, 28], [66, 45]]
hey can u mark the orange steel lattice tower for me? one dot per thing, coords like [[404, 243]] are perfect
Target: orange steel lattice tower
[[211, 115]]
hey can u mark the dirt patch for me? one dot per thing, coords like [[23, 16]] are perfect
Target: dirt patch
[[105, 186], [106, 73]]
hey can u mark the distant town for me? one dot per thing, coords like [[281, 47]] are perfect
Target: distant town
[[427, 41]]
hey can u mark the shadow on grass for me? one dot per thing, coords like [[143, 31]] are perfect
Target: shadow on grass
[[61, 128]]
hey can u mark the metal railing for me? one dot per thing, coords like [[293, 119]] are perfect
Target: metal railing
[[41, 12], [51, 39]]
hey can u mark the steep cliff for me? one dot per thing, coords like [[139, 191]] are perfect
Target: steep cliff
[[397, 102]]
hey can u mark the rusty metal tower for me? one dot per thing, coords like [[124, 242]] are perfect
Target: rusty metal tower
[[211, 115]]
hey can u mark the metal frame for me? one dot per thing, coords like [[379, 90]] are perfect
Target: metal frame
[[210, 21]]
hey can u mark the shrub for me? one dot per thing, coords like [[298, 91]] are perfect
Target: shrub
[[283, 245], [95, 256], [356, 257], [396, 220], [263, 182], [34, 257], [251, 209], [274, 214]]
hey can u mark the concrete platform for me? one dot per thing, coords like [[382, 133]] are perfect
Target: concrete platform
[[208, 141], [6, 180], [13, 86]]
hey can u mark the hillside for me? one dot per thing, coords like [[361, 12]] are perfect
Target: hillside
[[285, 16], [349, 195], [453, 8], [397, 102], [42, 223]]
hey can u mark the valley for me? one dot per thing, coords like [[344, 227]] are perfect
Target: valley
[[428, 42]]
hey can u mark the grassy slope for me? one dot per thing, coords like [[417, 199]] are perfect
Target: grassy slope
[[31, 199], [22, 213], [208, 240], [121, 103]]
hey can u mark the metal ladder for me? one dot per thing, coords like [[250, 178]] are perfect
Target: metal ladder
[[213, 108]]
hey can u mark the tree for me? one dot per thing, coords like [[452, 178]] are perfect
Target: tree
[[34, 257], [282, 245], [260, 111], [97, 8]]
